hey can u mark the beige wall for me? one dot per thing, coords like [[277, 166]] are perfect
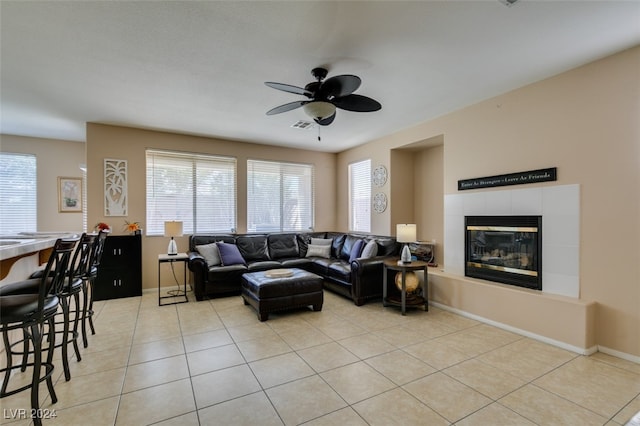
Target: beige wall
[[129, 144], [585, 123], [65, 163]]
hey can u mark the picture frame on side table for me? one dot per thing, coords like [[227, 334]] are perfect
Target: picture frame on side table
[[69, 195]]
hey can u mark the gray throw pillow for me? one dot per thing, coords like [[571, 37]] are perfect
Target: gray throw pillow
[[210, 253], [319, 251], [370, 250], [321, 241]]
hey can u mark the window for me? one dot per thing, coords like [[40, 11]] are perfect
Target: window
[[199, 190], [18, 193], [279, 196], [360, 196]]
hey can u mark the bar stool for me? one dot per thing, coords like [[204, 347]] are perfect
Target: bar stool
[[32, 312], [88, 283], [67, 292]]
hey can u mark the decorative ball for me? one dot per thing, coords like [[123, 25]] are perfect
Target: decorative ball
[[411, 281]]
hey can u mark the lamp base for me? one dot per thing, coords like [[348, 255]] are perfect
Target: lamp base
[[172, 250], [406, 254]]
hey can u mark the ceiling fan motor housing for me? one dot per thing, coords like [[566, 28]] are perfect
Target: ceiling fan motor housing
[[319, 73]]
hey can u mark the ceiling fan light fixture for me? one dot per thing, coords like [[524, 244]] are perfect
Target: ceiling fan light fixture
[[319, 109]]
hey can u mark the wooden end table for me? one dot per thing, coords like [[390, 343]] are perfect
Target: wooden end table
[[415, 300]]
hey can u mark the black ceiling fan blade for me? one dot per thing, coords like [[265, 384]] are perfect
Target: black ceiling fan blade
[[286, 107], [288, 88], [326, 121], [340, 85], [357, 103]]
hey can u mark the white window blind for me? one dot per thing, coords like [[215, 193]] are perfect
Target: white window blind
[[360, 196], [279, 196], [199, 190], [18, 193]]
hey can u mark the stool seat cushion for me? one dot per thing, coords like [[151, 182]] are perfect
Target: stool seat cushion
[[22, 307], [33, 286]]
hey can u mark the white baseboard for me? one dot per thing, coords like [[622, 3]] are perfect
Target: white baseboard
[[557, 343], [618, 354]]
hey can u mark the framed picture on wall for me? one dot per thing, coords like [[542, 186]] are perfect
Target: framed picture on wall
[[69, 195]]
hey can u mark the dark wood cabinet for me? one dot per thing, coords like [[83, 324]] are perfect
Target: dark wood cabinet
[[120, 271]]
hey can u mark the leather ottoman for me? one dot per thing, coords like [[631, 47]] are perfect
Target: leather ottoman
[[269, 291]]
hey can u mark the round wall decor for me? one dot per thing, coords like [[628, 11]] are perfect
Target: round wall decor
[[379, 202], [379, 175]]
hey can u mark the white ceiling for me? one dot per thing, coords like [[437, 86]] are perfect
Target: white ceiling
[[199, 67]]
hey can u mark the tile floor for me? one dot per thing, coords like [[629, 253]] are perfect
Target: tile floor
[[214, 363]]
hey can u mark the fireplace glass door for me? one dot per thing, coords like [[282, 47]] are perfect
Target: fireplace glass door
[[504, 249]]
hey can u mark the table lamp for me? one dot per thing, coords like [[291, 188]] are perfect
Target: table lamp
[[172, 229], [406, 233]]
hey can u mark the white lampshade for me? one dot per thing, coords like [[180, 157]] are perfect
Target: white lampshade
[[172, 229], [406, 232], [319, 109]]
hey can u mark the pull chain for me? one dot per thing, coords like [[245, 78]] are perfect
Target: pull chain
[[319, 133]]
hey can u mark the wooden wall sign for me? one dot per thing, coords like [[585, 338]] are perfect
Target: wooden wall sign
[[533, 176]]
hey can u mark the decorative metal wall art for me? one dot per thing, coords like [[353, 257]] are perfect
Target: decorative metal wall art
[[379, 202], [115, 187]]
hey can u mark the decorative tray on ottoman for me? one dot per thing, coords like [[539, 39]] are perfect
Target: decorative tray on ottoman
[[278, 273]]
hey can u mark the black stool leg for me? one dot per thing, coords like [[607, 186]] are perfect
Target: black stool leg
[[7, 351], [25, 350], [93, 330], [85, 311], [36, 335], [76, 319], [52, 337], [65, 338]]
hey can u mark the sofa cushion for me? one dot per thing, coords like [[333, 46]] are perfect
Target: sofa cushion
[[340, 271], [369, 250], [210, 253], [199, 240], [336, 245], [253, 247], [387, 247], [263, 265], [347, 245], [304, 240], [301, 262], [319, 251], [230, 255], [282, 246], [356, 250]]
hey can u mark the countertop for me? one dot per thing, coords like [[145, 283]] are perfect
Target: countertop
[[23, 243]]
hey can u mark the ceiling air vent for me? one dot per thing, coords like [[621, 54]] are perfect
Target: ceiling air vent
[[302, 125], [508, 2]]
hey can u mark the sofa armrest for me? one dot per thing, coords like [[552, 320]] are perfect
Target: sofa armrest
[[366, 278], [198, 265]]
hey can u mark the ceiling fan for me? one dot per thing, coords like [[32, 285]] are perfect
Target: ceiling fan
[[325, 96]]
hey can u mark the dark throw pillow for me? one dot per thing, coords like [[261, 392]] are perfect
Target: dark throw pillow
[[356, 250], [230, 255]]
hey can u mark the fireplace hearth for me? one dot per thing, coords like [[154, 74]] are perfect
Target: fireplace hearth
[[504, 249]]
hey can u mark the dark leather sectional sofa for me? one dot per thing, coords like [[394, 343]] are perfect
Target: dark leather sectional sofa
[[359, 280]]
